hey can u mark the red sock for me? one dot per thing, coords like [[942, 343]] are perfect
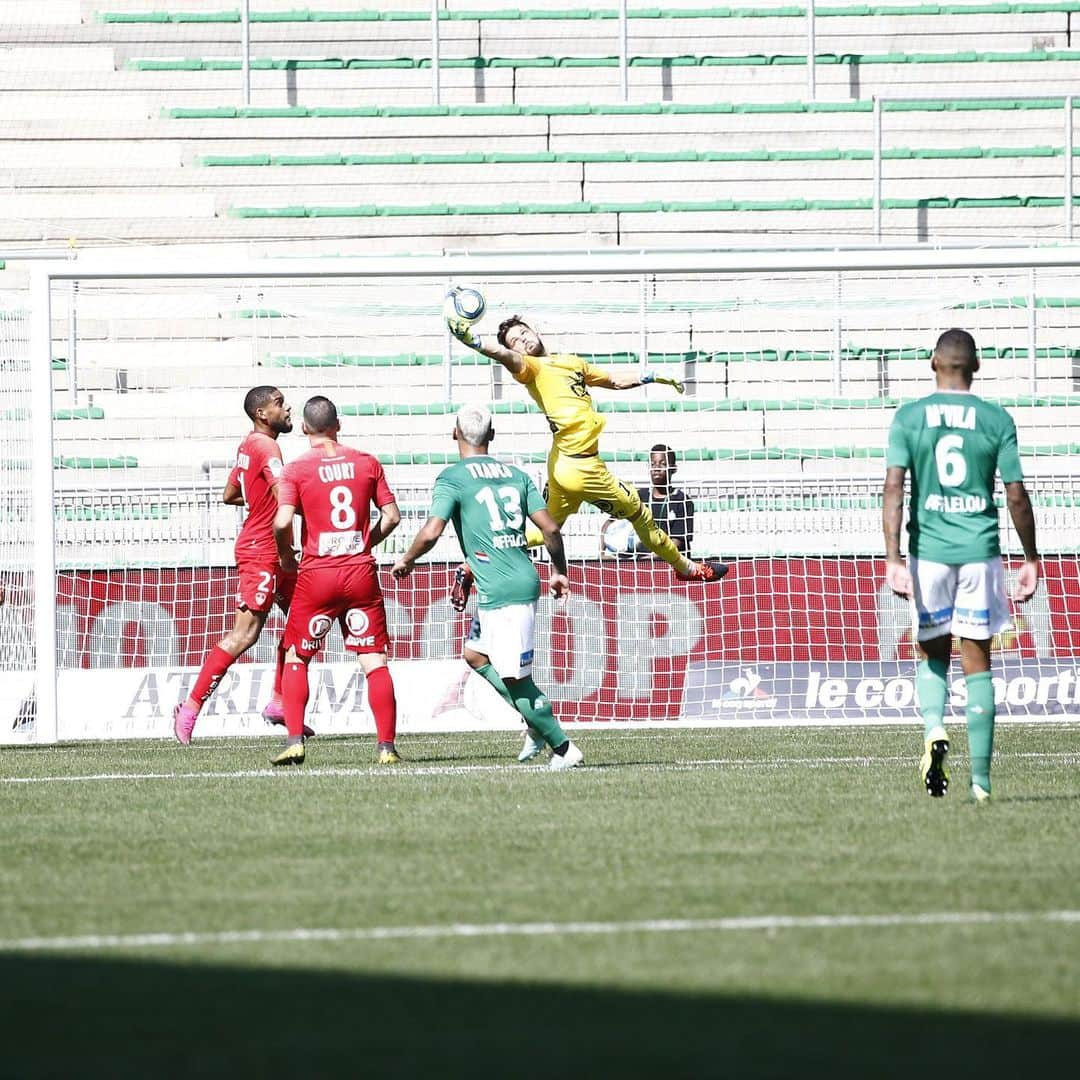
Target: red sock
[[294, 693], [279, 667], [214, 666], [383, 703]]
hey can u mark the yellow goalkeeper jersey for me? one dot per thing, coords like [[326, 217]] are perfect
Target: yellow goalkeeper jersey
[[559, 385]]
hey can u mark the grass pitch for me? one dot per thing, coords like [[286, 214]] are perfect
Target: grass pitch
[[742, 903]]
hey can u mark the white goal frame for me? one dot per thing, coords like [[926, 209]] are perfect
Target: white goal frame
[[156, 264]]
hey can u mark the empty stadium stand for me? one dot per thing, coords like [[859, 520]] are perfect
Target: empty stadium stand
[[125, 124], [121, 117]]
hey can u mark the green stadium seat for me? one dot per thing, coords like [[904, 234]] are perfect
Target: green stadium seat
[[77, 462]]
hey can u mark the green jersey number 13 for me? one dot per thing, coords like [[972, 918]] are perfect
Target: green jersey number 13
[[507, 516]]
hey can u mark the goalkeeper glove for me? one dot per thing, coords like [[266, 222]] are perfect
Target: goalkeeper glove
[[652, 377], [463, 331]]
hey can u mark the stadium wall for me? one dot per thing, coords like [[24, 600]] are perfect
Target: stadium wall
[[823, 643]]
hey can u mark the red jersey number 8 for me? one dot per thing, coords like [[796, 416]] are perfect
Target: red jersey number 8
[[342, 513]]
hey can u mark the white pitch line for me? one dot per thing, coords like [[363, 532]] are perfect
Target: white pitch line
[[166, 940], [437, 770], [316, 772]]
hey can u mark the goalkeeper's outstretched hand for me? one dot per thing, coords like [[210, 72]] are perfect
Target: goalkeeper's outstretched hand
[[463, 331], [652, 377]]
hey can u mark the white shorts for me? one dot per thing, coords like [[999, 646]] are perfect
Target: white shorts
[[966, 600], [505, 636]]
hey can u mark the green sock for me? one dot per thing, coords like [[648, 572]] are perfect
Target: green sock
[[535, 707], [493, 677], [980, 725], [932, 688]]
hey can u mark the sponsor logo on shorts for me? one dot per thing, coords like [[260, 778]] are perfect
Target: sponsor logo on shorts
[[319, 626], [357, 621], [360, 642], [936, 618], [526, 658]]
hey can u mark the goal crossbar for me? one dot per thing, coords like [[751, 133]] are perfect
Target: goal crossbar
[[151, 266]]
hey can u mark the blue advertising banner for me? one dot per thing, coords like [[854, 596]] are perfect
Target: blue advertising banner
[[867, 692]]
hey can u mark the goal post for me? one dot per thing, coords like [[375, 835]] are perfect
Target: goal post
[[46, 712], [792, 364], [17, 519]]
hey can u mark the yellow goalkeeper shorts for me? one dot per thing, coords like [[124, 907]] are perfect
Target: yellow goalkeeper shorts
[[574, 480]]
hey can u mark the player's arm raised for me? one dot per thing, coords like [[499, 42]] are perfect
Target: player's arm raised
[[892, 514], [558, 582], [464, 332], [423, 542]]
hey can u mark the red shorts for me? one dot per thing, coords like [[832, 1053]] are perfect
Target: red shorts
[[350, 594], [262, 584]]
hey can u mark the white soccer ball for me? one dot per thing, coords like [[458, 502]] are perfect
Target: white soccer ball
[[620, 538], [464, 302]]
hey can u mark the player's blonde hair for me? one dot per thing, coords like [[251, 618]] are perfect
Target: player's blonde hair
[[474, 424]]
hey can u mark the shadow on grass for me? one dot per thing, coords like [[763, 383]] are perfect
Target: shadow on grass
[[75, 1016]]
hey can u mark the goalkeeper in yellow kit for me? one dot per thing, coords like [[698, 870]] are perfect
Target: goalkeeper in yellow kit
[[559, 384]]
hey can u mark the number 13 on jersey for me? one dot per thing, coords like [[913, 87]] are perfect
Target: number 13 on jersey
[[503, 505]]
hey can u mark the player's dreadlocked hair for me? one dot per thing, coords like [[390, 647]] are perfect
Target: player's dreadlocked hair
[[320, 415], [256, 398]]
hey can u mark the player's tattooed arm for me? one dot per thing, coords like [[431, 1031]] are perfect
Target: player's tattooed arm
[[892, 514], [892, 511], [558, 582], [1023, 518]]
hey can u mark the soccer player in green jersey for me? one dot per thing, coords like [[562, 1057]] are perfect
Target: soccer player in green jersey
[[952, 443], [489, 502]]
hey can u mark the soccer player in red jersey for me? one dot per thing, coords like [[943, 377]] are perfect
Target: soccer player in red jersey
[[333, 488], [252, 482]]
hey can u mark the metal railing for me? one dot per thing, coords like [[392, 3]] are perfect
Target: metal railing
[[1067, 170], [622, 38], [624, 84]]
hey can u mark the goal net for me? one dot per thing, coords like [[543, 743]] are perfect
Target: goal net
[[17, 708], [791, 374]]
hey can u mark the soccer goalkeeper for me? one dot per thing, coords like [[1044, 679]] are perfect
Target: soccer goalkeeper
[[559, 384]]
